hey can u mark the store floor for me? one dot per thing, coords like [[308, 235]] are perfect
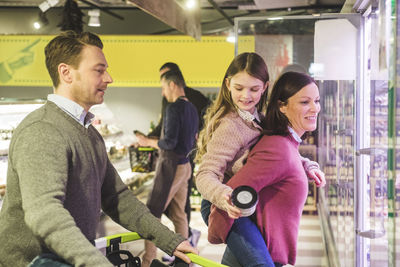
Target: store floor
[[310, 246]]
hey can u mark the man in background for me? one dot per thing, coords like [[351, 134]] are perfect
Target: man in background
[[173, 169], [201, 103]]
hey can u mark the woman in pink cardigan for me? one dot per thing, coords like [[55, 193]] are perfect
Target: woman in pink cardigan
[[274, 168], [231, 129]]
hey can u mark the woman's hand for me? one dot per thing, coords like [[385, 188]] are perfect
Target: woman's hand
[[233, 211], [317, 176], [183, 248]]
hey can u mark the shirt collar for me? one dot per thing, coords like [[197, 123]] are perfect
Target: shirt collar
[[295, 135], [247, 116], [73, 109]]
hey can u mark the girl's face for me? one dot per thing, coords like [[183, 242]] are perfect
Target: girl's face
[[302, 109], [245, 90]]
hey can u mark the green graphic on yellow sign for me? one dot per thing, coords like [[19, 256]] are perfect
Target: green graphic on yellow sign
[[133, 60]]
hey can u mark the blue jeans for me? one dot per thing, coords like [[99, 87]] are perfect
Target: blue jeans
[[245, 244], [48, 260]]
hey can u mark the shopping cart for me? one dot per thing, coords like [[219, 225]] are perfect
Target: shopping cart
[[120, 257]]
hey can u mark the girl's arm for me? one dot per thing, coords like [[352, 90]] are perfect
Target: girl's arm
[[313, 172], [221, 150]]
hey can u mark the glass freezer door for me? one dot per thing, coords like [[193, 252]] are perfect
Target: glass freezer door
[[336, 139], [375, 143]]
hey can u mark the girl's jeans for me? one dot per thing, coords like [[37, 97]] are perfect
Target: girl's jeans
[[245, 244]]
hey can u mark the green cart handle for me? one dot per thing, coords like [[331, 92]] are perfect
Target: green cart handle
[[107, 241], [203, 261]]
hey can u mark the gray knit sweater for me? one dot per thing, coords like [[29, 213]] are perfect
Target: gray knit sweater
[[59, 178]]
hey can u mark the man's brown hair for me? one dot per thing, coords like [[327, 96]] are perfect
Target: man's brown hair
[[66, 48]]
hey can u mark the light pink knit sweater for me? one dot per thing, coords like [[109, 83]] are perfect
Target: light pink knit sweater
[[226, 153]]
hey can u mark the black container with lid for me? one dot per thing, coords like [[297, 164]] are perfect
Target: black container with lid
[[245, 198]]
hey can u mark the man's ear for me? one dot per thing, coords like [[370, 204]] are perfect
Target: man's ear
[[64, 70]]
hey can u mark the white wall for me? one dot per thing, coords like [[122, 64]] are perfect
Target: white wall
[[134, 108]]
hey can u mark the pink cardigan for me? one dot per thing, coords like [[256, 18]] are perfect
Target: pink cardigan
[[274, 169]]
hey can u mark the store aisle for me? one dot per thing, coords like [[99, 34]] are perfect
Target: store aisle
[[310, 246]]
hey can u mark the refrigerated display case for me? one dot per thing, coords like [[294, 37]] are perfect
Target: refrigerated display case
[[376, 143], [325, 46], [336, 147], [394, 192]]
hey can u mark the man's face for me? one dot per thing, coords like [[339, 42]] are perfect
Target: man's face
[[90, 79]]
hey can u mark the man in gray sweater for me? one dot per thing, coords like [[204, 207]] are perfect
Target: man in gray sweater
[[59, 176]]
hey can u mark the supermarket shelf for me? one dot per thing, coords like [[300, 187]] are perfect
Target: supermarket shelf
[[4, 144], [310, 208]]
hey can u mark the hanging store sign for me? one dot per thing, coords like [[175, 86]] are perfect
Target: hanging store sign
[[133, 61]]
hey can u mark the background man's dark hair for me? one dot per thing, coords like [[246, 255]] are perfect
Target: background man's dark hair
[[173, 67], [174, 76]]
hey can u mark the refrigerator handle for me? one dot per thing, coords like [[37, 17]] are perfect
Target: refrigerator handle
[[343, 132], [371, 234], [370, 151]]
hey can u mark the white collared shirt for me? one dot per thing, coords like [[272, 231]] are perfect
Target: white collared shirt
[[73, 109], [295, 135], [247, 116]]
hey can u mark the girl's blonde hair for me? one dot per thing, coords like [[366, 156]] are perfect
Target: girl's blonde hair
[[255, 66]]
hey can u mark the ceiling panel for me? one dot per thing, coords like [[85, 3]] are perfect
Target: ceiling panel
[[213, 21]]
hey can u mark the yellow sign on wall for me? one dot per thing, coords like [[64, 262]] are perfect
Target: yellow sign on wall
[[133, 61]]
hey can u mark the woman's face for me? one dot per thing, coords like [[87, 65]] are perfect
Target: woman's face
[[245, 90], [302, 109]]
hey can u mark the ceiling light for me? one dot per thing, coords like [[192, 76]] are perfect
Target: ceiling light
[[43, 21], [47, 4], [231, 38], [94, 18], [191, 4], [36, 25]]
